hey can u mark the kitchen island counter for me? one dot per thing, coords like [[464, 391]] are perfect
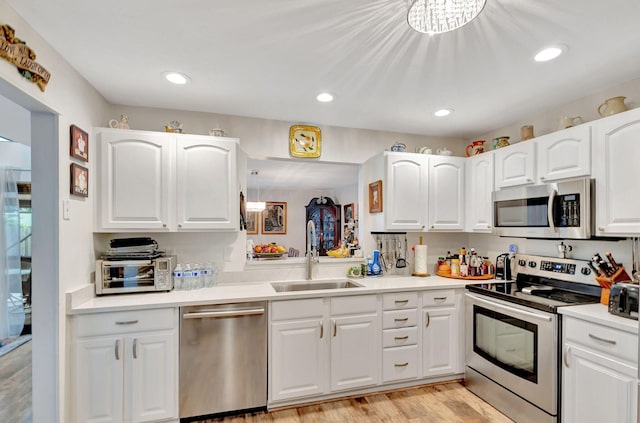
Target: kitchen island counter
[[83, 301]]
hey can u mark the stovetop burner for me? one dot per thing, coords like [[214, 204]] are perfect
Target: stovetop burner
[[545, 284]]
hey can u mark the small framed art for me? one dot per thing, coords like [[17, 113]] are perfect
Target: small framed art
[[375, 197], [274, 218], [79, 144], [253, 217], [79, 180], [305, 141]]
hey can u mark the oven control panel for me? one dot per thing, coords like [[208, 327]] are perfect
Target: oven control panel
[[552, 266]]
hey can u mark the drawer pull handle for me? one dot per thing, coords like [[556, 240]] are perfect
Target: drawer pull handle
[[439, 298], [402, 301], [321, 329], [402, 338], [597, 338], [335, 328], [401, 320], [135, 348], [117, 349], [401, 364], [127, 322], [428, 320]]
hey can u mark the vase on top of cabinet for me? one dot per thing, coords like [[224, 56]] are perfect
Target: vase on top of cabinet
[[612, 106]]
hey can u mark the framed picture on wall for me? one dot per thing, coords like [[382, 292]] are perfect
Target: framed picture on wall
[[252, 222], [274, 218], [375, 197], [79, 144], [349, 212], [79, 180]]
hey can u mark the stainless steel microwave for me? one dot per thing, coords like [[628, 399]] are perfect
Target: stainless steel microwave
[[553, 210], [127, 276]]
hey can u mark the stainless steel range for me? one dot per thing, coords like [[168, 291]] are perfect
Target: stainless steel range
[[513, 332]]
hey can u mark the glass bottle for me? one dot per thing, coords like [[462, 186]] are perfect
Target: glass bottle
[[177, 278]]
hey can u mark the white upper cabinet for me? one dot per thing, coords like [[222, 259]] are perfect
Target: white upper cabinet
[[446, 193], [206, 183], [565, 154], [479, 186], [136, 183], [156, 181], [515, 165], [616, 155], [405, 191]]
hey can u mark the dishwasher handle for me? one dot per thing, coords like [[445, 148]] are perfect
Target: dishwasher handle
[[224, 313]]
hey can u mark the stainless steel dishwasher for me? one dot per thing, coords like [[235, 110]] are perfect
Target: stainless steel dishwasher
[[223, 358]]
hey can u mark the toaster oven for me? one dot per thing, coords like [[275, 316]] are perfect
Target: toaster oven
[[127, 276]]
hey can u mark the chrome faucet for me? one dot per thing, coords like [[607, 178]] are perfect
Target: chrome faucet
[[312, 251]]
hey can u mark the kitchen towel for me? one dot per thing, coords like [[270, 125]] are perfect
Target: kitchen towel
[[421, 259]]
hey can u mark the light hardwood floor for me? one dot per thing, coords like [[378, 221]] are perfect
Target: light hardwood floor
[[438, 403], [15, 385]]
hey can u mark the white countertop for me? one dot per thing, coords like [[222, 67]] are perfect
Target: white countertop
[[598, 313], [226, 293]]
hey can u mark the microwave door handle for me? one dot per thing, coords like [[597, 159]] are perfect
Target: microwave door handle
[[552, 197]]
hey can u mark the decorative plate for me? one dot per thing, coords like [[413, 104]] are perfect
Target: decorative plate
[[305, 141]]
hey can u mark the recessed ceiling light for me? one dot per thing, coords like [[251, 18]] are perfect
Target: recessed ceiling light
[[549, 53], [442, 112], [324, 97], [176, 78]]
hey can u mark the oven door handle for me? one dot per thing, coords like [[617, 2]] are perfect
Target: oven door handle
[[512, 309], [552, 197]]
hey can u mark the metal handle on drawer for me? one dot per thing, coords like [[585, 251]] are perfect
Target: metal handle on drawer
[[135, 347], [117, 349], [401, 338], [401, 364], [439, 298], [566, 357], [401, 320], [402, 301], [597, 338], [225, 313], [335, 327], [321, 329], [428, 320], [127, 322]]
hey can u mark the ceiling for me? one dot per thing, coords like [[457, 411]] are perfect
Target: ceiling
[[270, 59]]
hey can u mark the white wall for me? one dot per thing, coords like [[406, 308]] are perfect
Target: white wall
[[15, 122]]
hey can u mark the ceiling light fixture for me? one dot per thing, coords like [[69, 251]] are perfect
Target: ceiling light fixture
[[549, 53], [438, 16], [256, 206], [176, 78], [442, 112], [324, 97]]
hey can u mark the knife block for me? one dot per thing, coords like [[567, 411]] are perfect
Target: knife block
[[620, 275]]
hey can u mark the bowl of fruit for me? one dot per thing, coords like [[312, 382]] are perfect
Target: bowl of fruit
[[272, 250]]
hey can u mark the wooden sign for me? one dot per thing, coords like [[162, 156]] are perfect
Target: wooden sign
[[15, 51]]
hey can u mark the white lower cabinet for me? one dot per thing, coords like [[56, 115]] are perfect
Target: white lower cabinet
[[400, 337], [125, 366], [599, 373], [442, 341]]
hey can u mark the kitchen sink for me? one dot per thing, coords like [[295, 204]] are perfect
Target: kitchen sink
[[312, 286]]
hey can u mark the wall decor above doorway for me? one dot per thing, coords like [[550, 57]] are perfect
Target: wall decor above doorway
[[305, 141]]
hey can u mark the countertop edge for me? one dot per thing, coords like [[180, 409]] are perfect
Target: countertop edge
[[599, 314]]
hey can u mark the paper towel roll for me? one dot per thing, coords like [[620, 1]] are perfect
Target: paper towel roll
[[421, 259]]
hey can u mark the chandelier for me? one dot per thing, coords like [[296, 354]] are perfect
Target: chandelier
[[438, 16]]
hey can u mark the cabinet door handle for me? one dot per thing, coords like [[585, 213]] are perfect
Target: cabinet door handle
[[127, 322], [440, 299], [180, 225], [566, 357], [405, 364], [597, 338], [601, 229], [428, 320], [321, 329], [401, 338], [117, 349], [542, 178], [335, 327], [402, 301], [401, 320], [164, 225], [135, 348]]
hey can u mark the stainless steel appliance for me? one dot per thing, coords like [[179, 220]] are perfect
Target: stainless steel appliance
[[513, 335], [127, 276], [555, 210], [503, 267], [223, 359], [623, 300]]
